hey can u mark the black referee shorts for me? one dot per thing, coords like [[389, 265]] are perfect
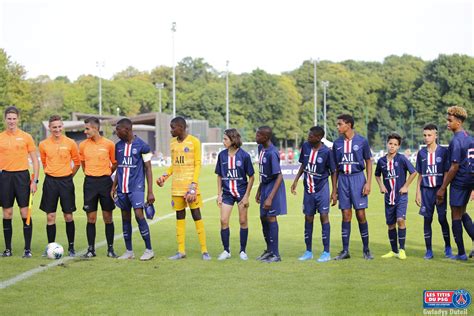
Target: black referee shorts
[[97, 189], [1, 188], [15, 185], [55, 188]]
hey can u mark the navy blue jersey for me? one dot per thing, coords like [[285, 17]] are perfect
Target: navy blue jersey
[[317, 164], [350, 154], [432, 166], [234, 171], [458, 152], [394, 174], [130, 168], [268, 163]]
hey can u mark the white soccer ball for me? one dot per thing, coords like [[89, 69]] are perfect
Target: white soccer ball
[[54, 251]]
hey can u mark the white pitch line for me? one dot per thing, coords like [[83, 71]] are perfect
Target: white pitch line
[[32, 272]]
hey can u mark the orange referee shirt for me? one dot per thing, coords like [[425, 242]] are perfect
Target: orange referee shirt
[[56, 156], [14, 150], [98, 156]]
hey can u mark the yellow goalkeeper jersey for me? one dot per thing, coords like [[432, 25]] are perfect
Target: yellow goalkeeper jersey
[[185, 164]]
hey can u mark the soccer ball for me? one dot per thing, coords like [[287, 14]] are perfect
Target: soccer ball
[[54, 251]]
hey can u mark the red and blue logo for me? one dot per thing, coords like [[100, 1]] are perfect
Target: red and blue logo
[[446, 299]]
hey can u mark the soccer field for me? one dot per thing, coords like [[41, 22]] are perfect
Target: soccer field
[[191, 286]]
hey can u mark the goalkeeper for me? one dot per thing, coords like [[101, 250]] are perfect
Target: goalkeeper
[[185, 168]]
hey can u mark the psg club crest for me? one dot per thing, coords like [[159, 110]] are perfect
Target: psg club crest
[[355, 147], [446, 299], [396, 163], [264, 160], [438, 159], [319, 160], [238, 163], [186, 149], [134, 151]]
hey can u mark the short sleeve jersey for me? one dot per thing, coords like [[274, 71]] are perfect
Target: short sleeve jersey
[[317, 165], [130, 165], [234, 171], [56, 156], [14, 150], [98, 156], [458, 152], [350, 154], [185, 164], [268, 163], [432, 166], [394, 174]]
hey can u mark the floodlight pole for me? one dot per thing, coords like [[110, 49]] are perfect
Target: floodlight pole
[[315, 62], [159, 86], [227, 95], [173, 30], [325, 85], [412, 119], [99, 65]]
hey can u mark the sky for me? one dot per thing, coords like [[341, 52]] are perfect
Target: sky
[[69, 37]]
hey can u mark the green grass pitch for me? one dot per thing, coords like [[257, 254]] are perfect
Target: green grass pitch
[[192, 286]]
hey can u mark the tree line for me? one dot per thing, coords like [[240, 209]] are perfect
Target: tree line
[[401, 94]]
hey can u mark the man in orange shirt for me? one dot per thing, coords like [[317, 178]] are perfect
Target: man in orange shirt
[[57, 152], [97, 156], [16, 147]]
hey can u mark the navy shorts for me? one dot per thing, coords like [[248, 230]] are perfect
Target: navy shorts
[[97, 189], [459, 196], [229, 199], [349, 190], [399, 210], [316, 202], [58, 188], [127, 201], [278, 203], [428, 203]]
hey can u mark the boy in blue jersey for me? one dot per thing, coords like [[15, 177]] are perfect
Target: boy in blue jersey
[[393, 167], [352, 155], [459, 177], [470, 156], [128, 190], [233, 166], [432, 163], [270, 194], [317, 163]]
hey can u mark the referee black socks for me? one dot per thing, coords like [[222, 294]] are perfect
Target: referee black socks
[[7, 233], [109, 234], [51, 233], [90, 230], [70, 232], [27, 233]]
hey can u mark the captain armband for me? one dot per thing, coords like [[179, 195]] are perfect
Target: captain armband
[[147, 157]]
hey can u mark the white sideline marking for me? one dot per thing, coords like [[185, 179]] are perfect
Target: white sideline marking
[[32, 272]]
